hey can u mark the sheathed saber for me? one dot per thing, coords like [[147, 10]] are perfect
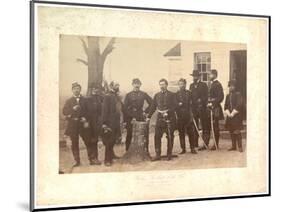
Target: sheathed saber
[[199, 134], [212, 128]]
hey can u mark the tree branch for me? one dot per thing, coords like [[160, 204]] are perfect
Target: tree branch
[[108, 49], [82, 61], [85, 47]]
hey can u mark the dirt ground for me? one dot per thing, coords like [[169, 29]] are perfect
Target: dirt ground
[[204, 159]]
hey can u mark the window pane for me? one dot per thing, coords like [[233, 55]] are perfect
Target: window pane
[[205, 77], [199, 67], [208, 67], [204, 60], [203, 67]]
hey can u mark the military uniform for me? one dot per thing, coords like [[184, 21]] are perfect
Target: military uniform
[[199, 96], [75, 125], [94, 109], [184, 118], [215, 97], [234, 103], [133, 109], [111, 113], [165, 103]]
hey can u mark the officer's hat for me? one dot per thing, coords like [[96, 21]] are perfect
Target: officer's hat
[[182, 80], [214, 71], [195, 73], [232, 83], [163, 80], [75, 84], [136, 81]]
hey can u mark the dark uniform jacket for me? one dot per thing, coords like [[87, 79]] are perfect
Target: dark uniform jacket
[[199, 96], [111, 110], [74, 117], [183, 106], [94, 109], [216, 97], [234, 101], [164, 101], [133, 105]]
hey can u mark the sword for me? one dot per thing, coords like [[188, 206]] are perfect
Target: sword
[[212, 128], [194, 122]]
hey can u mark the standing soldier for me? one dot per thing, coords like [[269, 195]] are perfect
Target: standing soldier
[[111, 113], [215, 99], [164, 102], [75, 110], [94, 105], [184, 116], [233, 109], [199, 95], [133, 109]]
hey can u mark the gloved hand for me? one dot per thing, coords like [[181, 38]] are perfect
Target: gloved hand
[[76, 107], [233, 113], [209, 105], [86, 124], [227, 113], [83, 119]]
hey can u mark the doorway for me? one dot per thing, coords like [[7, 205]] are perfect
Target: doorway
[[238, 72]]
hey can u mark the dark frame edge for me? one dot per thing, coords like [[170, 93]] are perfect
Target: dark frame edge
[[152, 202], [32, 195], [155, 9], [269, 105], [31, 106]]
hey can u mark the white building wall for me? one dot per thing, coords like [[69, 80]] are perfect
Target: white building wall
[[220, 54]]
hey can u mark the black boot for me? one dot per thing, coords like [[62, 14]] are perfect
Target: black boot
[[239, 141], [202, 148], [95, 162], [77, 163], [183, 151], [157, 157], [233, 141], [193, 151], [214, 148], [182, 144]]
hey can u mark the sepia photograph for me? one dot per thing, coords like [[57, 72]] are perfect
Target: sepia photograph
[[143, 105]]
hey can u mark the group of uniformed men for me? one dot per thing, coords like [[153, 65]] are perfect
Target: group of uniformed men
[[99, 116]]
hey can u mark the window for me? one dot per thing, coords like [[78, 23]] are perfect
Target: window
[[202, 63]]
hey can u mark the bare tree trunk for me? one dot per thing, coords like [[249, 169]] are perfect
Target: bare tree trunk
[[94, 68], [137, 151], [95, 60]]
